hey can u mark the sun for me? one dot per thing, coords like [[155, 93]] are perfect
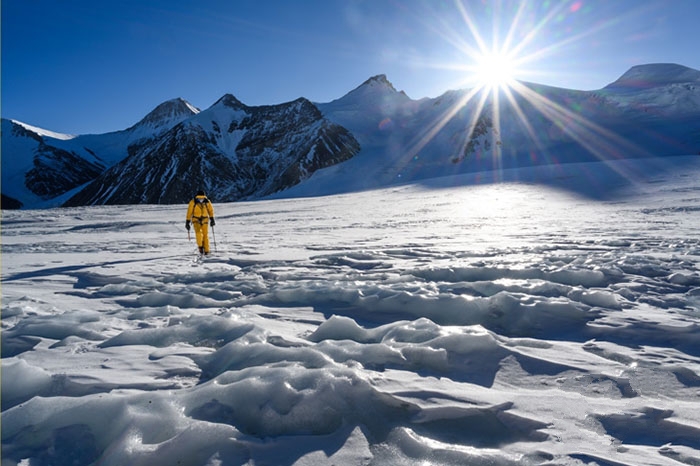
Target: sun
[[495, 70], [500, 48]]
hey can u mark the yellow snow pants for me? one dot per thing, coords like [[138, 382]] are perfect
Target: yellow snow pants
[[201, 233]]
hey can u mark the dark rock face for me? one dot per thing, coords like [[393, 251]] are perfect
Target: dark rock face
[[51, 170], [8, 203], [57, 171]]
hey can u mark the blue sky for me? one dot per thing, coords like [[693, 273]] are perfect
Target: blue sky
[[81, 67]]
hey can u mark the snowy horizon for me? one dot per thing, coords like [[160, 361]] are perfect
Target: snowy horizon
[[513, 323], [372, 137]]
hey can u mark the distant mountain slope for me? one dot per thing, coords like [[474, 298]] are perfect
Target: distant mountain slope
[[656, 75], [657, 91]]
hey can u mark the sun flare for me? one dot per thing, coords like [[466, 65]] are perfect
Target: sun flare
[[495, 70], [500, 49]]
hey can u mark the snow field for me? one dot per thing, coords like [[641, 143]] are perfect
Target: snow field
[[506, 324]]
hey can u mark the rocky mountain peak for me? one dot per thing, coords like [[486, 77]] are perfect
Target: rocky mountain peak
[[376, 89], [230, 101], [379, 80], [169, 111]]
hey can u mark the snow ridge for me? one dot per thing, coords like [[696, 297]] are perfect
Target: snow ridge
[[44, 132], [655, 75]]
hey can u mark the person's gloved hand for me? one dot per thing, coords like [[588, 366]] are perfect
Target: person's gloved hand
[[213, 222], [187, 224]]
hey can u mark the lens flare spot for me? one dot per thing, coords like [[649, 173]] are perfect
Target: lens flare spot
[[386, 124]]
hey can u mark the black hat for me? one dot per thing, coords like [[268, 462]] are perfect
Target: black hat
[[200, 193]]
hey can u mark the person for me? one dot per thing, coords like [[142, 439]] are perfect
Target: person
[[200, 213]]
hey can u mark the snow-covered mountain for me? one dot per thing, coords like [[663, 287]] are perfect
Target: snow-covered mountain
[[230, 150], [373, 136], [652, 110], [39, 166], [655, 75], [165, 116], [35, 169]]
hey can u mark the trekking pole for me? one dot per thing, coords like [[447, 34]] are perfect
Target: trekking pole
[[213, 233]]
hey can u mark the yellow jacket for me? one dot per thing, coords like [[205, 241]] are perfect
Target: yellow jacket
[[200, 210]]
